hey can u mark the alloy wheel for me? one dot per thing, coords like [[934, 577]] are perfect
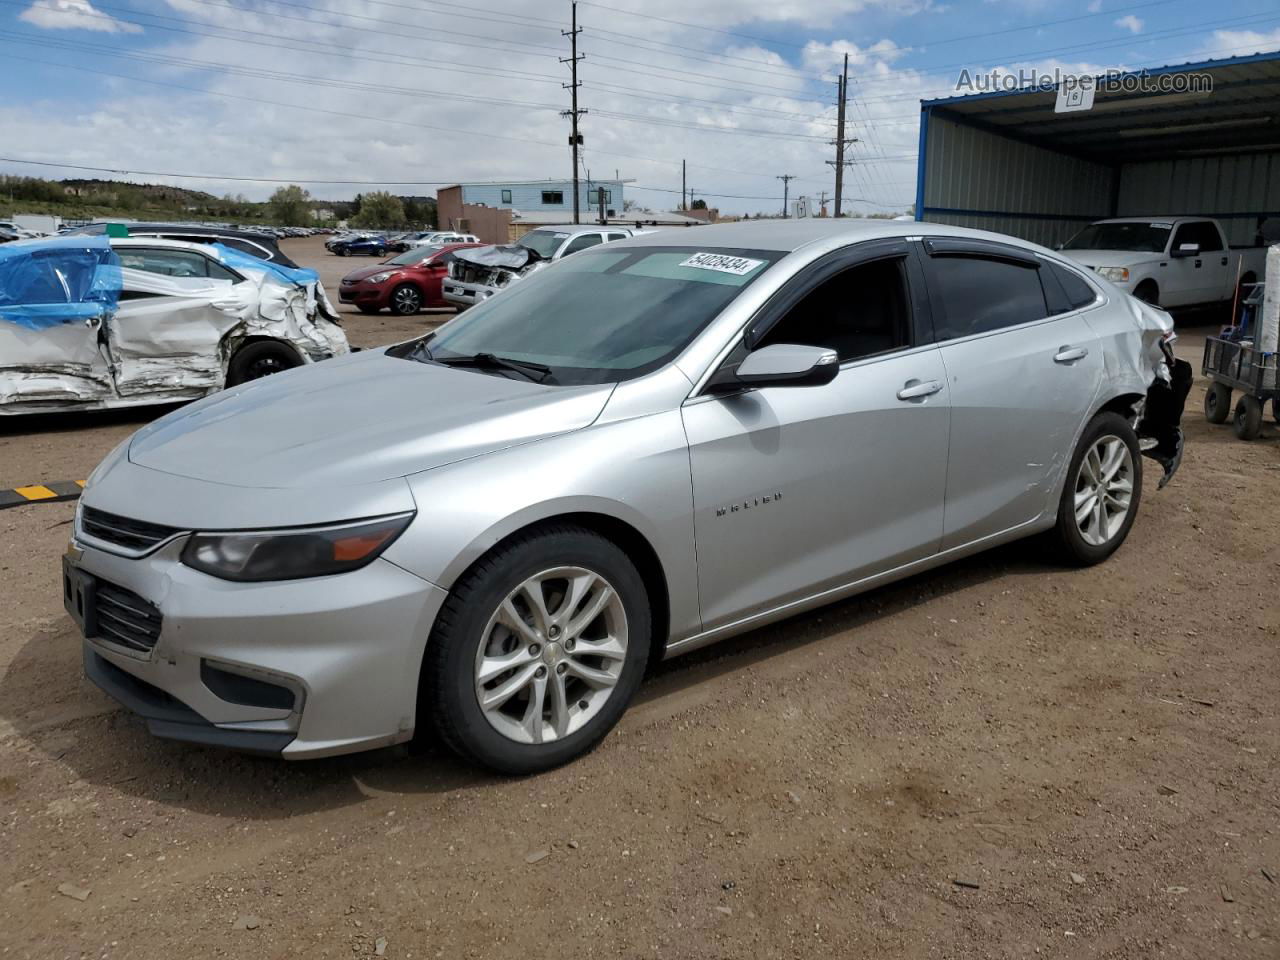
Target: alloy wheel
[[551, 655], [406, 300], [1104, 490]]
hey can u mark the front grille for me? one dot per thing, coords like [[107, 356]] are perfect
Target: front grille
[[125, 618], [136, 535]]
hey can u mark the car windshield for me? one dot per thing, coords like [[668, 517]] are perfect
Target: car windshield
[[416, 255], [1146, 237], [601, 317], [543, 242]]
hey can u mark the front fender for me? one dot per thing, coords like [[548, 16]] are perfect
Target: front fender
[[634, 471]]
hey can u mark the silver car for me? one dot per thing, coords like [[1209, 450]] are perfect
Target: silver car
[[654, 445]]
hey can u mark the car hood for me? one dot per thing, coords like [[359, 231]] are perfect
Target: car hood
[[1110, 258], [363, 272], [357, 419]]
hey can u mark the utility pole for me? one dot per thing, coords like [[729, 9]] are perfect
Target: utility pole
[[575, 138], [786, 179], [684, 185], [600, 194], [822, 204], [841, 141]]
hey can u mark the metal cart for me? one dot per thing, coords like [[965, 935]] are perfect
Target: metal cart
[[1232, 363]]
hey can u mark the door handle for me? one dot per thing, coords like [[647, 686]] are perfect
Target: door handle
[[916, 390], [1224, 261], [1070, 354], [1198, 262]]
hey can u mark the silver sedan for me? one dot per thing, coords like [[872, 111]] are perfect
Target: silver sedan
[[645, 448]]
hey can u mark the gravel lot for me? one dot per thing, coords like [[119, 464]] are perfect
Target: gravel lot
[[997, 759]]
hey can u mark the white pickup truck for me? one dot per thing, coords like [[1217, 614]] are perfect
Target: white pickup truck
[[1168, 262]]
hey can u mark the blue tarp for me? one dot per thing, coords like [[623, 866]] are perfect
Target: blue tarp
[[236, 259], [57, 280]]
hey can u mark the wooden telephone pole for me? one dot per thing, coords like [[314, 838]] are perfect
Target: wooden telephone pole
[[841, 141], [575, 138]]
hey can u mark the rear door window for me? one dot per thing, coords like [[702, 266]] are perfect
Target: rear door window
[[582, 242], [981, 294]]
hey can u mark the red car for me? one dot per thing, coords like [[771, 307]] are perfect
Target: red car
[[405, 283]]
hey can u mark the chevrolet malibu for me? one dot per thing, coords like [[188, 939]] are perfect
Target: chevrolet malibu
[[490, 530]]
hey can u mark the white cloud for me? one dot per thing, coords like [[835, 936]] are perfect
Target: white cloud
[[74, 15], [1130, 22], [1094, 6], [1240, 43]]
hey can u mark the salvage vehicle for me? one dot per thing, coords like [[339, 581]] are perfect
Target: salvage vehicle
[[253, 242], [91, 322], [478, 275], [491, 529], [371, 246], [434, 238], [1173, 262], [405, 284]]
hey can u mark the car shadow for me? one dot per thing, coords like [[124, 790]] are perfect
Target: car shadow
[[74, 420], [106, 746]]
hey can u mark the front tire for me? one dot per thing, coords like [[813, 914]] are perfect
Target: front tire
[[1217, 403], [406, 300], [537, 651], [1148, 293], [1101, 496]]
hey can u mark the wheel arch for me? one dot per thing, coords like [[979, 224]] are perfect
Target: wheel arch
[[1148, 282], [622, 533], [232, 345]]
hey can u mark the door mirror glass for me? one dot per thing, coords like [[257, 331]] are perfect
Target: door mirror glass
[[1187, 250], [789, 365]]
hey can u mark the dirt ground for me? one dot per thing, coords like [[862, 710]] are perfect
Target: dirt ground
[[996, 759]]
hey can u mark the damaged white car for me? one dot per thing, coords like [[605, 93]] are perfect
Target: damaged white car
[[92, 322], [477, 274]]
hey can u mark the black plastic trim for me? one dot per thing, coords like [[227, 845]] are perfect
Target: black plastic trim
[[244, 690], [170, 718]]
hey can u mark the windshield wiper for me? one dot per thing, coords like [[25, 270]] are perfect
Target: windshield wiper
[[537, 372]]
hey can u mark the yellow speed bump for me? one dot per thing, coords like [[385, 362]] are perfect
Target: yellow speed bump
[[37, 492]]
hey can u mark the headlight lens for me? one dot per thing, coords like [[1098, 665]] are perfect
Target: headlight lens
[[293, 554], [380, 277], [1114, 274]]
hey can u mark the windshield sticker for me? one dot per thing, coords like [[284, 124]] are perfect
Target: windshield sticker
[[722, 263], [1161, 226], [559, 236]]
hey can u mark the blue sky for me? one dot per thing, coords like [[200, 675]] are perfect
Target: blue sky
[[411, 91]]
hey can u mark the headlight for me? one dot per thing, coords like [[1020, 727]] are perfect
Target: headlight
[[1114, 274], [380, 277], [293, 554]]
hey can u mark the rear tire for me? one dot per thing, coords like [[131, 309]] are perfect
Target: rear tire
[[344, 252], [1102, 492], [470, 636], [1217, 403], [1248, 417], [261, 359]]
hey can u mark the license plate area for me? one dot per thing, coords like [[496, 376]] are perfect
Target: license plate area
[[78, 590]]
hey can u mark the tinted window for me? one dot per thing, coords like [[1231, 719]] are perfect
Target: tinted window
[[581, 243], [617, 236], [553, 196], [1202, 232], [979, 295], [858, 313], [1079, 293], [506, 196]]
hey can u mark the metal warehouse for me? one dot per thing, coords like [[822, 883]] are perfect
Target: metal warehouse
[[1008, 162]]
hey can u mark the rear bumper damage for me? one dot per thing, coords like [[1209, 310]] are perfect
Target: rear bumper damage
[[1161, 416]]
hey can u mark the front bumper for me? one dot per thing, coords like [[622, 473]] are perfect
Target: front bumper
[[347, 647], [363, 295], [465, 294]]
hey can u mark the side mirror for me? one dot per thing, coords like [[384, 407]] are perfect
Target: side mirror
[[1186, 250], [789, 365]]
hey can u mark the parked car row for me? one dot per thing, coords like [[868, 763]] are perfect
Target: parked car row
[[482, 531]]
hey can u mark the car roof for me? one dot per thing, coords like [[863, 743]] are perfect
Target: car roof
[[1152, 219], [785, 236], [153, 242], [571, 229]]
